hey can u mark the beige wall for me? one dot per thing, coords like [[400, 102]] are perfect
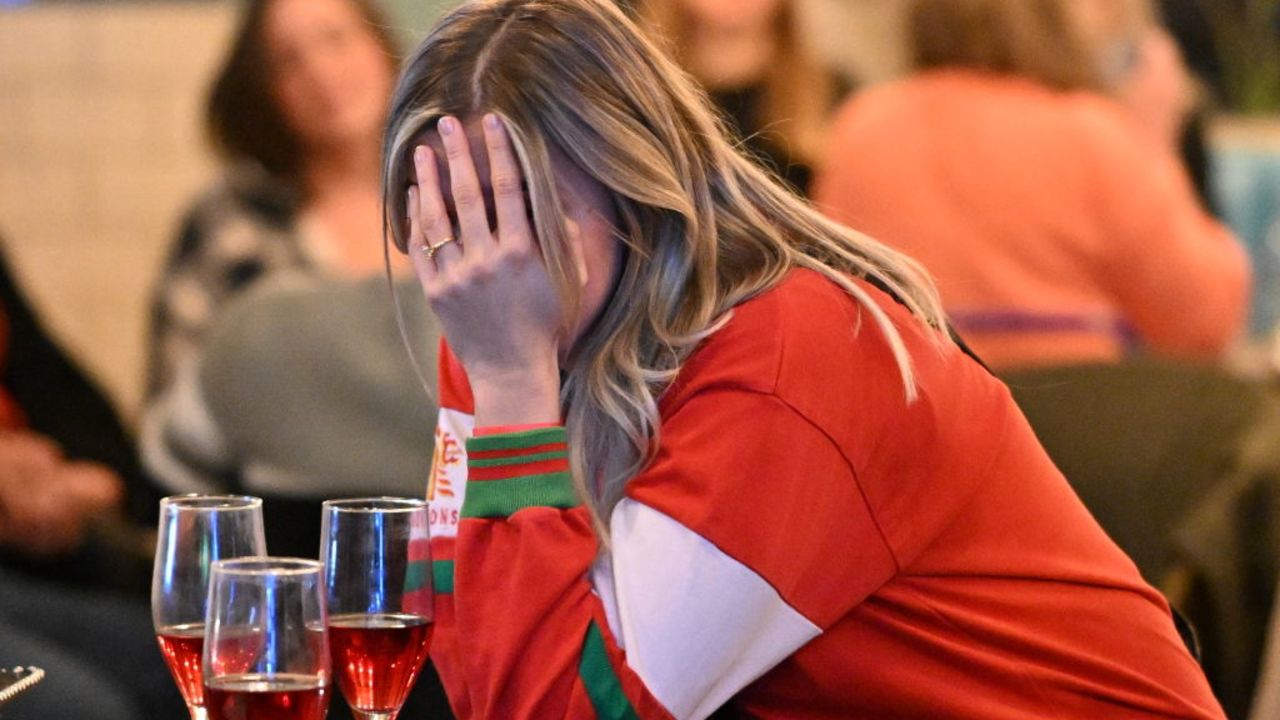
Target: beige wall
[[862, 36], [99, 151]]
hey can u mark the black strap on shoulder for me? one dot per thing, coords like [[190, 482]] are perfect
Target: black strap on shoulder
[[880, 285]]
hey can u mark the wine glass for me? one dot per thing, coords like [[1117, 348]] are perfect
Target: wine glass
[[377, 558], [266, 650], [196, 531]]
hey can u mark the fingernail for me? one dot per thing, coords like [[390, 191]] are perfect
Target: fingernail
[[419, 154], [446, 126], [491, 121]]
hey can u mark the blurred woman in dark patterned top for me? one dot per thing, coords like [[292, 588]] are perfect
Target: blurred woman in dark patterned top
[[295, 113]]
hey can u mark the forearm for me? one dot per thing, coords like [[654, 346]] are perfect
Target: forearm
[[524, 395], [1204, 280], [535, 643]]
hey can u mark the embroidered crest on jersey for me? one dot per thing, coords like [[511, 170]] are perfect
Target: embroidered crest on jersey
[[447, 485]]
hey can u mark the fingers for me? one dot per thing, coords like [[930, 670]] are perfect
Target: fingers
[[434, 226], [468, 198], [93, 488], [47, 518], [507, 181], [423, 265]]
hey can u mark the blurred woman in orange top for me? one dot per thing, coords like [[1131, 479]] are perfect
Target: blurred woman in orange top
[[1030, 164]]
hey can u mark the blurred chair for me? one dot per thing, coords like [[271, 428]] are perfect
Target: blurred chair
[[1266, 699], [1180, 464]]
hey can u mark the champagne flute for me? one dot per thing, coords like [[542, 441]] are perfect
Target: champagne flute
[[266, 650], [377, 558], [196, 531]]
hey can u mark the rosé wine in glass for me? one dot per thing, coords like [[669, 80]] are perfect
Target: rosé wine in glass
[[377, 557], [196, 531]]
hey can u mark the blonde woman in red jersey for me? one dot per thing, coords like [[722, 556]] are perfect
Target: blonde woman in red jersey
[[1030, 165], [701, 448]]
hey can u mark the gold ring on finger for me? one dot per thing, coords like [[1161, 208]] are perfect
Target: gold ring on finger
[[431, 250]]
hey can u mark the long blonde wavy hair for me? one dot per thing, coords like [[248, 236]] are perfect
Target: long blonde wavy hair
[[704, 228]]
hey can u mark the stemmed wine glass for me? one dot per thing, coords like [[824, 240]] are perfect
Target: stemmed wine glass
[[196, 531], [266, 654], [377, 558]]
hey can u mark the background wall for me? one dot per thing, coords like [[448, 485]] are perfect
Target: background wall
[[100, 149], [861, 36]]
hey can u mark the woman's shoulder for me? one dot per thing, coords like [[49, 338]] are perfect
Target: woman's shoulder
[[246, 193], [870, 103], [238, 210], [811, 345], [806, 329]]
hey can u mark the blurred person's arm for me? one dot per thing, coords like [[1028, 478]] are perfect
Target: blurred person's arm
[[60, 401], [47, 503], [185, 444], [1166, 100], [181, 444], [1158, 92], [1181, 278]]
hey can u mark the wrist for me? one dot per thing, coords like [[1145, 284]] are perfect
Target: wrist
[[526, 395]]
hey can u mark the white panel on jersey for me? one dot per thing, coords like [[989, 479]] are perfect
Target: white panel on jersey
[[697, 625], [447, 485]]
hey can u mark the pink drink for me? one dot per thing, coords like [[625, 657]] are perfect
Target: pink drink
[[377, 657], [266, 697], [182, 647]]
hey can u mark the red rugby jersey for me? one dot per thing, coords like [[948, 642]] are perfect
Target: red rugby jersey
[[805, 545]]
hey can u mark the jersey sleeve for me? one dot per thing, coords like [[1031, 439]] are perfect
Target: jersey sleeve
[[719, 565], [445, 489]]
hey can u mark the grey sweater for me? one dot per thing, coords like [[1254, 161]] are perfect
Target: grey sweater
[[305, 391]]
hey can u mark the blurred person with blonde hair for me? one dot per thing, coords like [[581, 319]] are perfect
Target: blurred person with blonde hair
[[1029, 164], [295, 112], [754, 60], [700, 447]]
